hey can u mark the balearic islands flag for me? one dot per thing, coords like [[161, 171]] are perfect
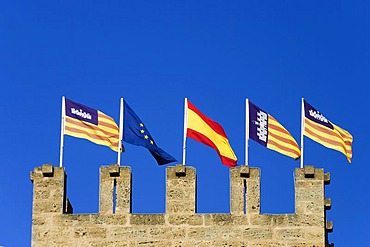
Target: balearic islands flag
[[321, 130], [136, 133], [203, 129], [268, 132], [85, 122]]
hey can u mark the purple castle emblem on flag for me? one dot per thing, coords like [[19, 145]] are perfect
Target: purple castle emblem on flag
[[258, 124], [81, 112], [315, 116]]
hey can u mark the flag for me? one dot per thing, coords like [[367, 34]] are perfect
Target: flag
[[320, 129], [205, 130], [85, 122], [268, 132], [136, 133]]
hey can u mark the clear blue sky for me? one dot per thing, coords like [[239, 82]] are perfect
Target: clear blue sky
[[155, 53]]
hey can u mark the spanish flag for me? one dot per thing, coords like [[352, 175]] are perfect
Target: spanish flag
[[205, 130], [87, 123], [267, 131], [320, 129]]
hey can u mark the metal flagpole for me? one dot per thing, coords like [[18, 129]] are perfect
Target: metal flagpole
[[246, 131], [302, 129], [62, 132], [120, 132], [185, 128]]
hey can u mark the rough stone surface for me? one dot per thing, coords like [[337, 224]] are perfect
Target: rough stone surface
[[54, 225]]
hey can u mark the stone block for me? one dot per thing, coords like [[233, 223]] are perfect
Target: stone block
[[127, 233], [47, 170], [167, 233], [219, 219], [230, 234], [309, 194], [307, 220], [282, 234], [202, 233], [173, 170], [309, 171], [147, 219], [41, 194], [254, 173], [261, 220], [90, 232], [244, 171], [329, 226], [179, 207], [185, 219], [327, 203], [278, 220], [314, 207], [255, 233], [180, 170], [114, 170], [39, 221]]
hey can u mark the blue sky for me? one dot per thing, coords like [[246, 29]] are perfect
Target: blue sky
[[156, 53]]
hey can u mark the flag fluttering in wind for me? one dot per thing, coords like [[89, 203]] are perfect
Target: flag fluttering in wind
[[203, 129], [84, 122], [268, 132], [320, 129], [136, 133]]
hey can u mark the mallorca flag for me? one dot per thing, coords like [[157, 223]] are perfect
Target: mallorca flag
[[268, 132], [84, 122], [136, 133], [321, 130], [203, 129]]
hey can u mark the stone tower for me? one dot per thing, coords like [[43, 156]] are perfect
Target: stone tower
[[54, 224]]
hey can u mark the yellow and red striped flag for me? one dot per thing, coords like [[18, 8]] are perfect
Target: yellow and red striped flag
[[264, 129], [87, 123], [320, 129], [205, 130]]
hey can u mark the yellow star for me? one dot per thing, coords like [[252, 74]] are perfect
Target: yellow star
[[151, 142], [142, 131], [141, 125], [146, 137]]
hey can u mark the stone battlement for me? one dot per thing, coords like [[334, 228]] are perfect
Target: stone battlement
[[54, 224]]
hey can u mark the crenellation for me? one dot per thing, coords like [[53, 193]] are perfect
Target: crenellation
[[53, 223], [180, 190], [48, 189], [115, 179], [245, 190]]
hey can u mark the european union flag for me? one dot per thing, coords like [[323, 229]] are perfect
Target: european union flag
[[135, 132]]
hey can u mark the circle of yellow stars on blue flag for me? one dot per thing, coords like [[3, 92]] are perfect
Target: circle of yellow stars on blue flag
[[146, 137]]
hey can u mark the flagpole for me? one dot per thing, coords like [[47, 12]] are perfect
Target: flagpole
[[62, 133], [302, 129], [185, 128], [120, 132], [246, 131]]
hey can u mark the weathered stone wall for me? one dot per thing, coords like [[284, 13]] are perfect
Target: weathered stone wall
[[114, 225]]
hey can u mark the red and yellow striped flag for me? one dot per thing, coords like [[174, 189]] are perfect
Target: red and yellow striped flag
[[321, 130], [205, 130], [87, 123], [268, 132]]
